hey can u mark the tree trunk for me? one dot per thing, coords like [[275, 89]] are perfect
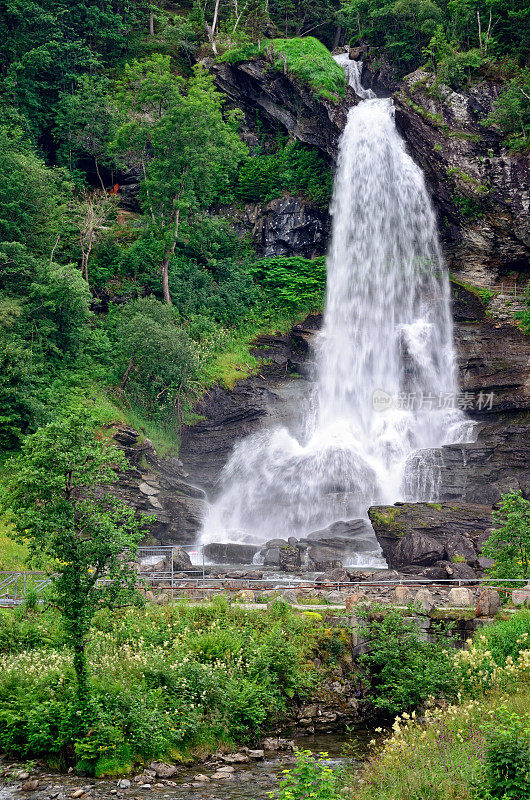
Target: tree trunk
[[99, 176], [165, 280], [151, 23], [126, 374], [338, 34]]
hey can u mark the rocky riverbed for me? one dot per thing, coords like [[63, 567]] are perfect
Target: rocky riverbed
[[237, 776]]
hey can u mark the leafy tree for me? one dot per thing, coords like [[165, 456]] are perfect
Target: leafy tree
[[31, 194], [511, 111], [55, 498], [156, 355], [194, 150], [86, 123], [44, 308], [46, 45], [509, 543]]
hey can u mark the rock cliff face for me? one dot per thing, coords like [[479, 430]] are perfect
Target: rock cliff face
[[287, 226], [159, 488], [482, 191], [285, 102], [271, 397]]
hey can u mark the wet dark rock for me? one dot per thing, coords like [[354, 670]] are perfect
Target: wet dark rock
[[158, 487], [290, 558], [227, 553], [284, 101], [286, 226], [466, 163], [419, 534], [328, 548]]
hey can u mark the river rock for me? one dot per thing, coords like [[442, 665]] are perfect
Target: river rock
[[235, 758], [256, 754], [460, 597], [123, 783], [488, 604], [163, 770], [200, 778], [30, 786]]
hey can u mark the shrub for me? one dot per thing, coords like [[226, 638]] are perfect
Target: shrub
[[402, 669], [507, 762], [311, 778], [292, 282], [294, 168], [511, 111]]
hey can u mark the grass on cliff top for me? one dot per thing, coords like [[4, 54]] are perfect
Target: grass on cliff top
[[305, 58]]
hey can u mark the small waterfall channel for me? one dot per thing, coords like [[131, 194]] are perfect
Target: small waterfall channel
[[383, 402]]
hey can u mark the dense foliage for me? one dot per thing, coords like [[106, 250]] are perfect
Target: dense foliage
[[168, 680], [55, 499], [509, 543]]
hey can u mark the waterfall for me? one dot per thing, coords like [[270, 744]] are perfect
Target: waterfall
[[384, 397]]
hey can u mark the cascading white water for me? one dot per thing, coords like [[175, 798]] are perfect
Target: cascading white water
[[385, 359]]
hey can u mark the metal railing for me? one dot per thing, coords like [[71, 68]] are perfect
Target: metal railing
[[15, 586]]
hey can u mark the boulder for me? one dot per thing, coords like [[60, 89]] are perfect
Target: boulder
[[290, 558], [228, 553], [163, 770], [418, 534], [181, 560], [488, 604], [521, 597], [460, 597], [425, 600], [402, 595]]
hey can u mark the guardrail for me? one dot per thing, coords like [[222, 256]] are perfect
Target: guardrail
[[15, 586]]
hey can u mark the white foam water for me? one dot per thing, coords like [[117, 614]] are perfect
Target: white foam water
[[385, 359]]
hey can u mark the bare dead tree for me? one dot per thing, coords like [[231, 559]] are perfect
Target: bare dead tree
[[91, 216]]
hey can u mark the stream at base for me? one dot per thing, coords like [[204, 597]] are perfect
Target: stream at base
[[250, 781]]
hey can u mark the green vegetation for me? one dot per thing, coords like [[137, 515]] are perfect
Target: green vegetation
[[475, 748], [306, 59], [164, 682], [509, 543], [292, 168], [53, 495], [402, 669]]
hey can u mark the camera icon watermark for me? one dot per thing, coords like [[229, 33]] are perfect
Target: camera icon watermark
[[421, 401]]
